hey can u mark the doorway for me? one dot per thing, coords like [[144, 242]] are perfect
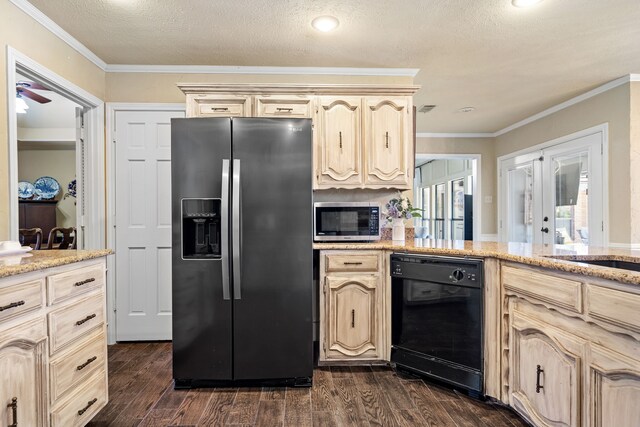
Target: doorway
[[447, 190], [48, 147], [555, 194], [88, 143]]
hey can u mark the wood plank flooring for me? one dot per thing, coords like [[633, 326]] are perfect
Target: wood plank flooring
[[141, 394]]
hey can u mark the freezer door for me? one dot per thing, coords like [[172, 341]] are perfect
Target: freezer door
[[202, 341], [272, 202]]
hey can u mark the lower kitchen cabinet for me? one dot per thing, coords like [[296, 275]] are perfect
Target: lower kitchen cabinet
[[545, 373], [23, 374], [53, 352], [351, 306], [613, 388], [572, 359]]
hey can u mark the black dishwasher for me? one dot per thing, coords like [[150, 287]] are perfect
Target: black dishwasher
[[436, 323]]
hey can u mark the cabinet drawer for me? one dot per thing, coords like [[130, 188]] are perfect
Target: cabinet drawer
[[72, 321], [558, 291], [617, 307], [20, 298], [358, 262], [83, 405], [77, 364], [66, 285], [221, 106], [283, 107]]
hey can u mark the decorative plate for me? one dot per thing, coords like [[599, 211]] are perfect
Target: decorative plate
[[71, 188], [25, 190], [46, 187]]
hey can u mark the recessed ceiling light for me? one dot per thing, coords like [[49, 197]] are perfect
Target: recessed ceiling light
[[524, 3], [467, 109], [325, 23]]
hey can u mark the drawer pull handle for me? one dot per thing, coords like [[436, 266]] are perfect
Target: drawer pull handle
[[353, 318], [85, 364], [286, 110], [89, 403], [84, 282], [539, 371], [340, 135], [220, 109], [387, 136], [12, 305], [352, 263], [14, 411], [86, 319]]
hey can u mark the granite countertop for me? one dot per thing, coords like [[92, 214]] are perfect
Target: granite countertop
[[11, 265], [557, 257]]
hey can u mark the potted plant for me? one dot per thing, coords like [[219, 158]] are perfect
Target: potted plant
[[397, 210]]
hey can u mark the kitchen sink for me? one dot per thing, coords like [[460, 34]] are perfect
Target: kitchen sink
[[612, 263]]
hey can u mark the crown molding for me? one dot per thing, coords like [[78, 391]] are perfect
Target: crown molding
[[455, 135], [224, 69], [573, 101], [46, 22], [297, 88]]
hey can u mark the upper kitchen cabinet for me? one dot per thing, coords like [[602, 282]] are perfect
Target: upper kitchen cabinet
[[229, 105], [363, 134], [388, 145], [338, 142]]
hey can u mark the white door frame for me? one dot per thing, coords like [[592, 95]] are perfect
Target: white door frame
[[477, 185], [94, 153], [603, 130], [112, 109]]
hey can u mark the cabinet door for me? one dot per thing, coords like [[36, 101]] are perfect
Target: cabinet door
[[614, 388], [22, 376], [351, 321], [339, 140], [218, 105], [544, 374], [387, 142]]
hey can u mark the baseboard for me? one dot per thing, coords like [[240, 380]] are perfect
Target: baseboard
[[631, 246], [489, 238]]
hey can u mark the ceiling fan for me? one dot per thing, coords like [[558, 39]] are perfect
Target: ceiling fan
[[22, 89]]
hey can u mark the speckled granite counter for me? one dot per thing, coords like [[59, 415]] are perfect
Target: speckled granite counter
[[11, 265], [556, 257]]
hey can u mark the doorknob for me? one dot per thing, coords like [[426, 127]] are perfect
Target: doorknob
[[545, 229], [545, 219]]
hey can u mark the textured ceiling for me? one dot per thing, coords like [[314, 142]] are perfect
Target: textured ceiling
[[507, 62]]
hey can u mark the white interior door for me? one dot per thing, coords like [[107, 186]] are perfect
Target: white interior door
[[143, 224], [554, 195]]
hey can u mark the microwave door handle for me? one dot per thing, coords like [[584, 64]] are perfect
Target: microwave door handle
[[237, 230], [224, 225]]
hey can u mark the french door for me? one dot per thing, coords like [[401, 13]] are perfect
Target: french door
[[554, 195]]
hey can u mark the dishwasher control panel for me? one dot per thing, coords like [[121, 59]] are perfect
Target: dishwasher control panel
[[438, 269]]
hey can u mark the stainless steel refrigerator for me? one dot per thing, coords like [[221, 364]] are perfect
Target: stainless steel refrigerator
[[241, 250]]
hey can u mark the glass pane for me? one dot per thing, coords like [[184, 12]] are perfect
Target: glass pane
[[572, 199], [426, 210], [520, 204], [457, 199], [457, 229], [439, 229], [440, 201]]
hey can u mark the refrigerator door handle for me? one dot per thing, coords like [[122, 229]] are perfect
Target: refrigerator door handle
[[224, 217], [237, 230]]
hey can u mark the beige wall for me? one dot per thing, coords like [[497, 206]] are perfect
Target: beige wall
[[24, 34], [610, 107], [482, 146], [59, 164], [634, 166]]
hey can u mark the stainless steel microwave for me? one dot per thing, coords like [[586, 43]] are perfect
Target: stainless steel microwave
[[336, 221]]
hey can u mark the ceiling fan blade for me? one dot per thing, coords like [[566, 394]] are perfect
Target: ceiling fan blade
[[31, 85], [32, 95]]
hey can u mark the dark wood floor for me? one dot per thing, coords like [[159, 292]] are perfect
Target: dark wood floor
[[141, 394]]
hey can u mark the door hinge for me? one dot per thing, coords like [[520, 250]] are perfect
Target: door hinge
[[602, 225]]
